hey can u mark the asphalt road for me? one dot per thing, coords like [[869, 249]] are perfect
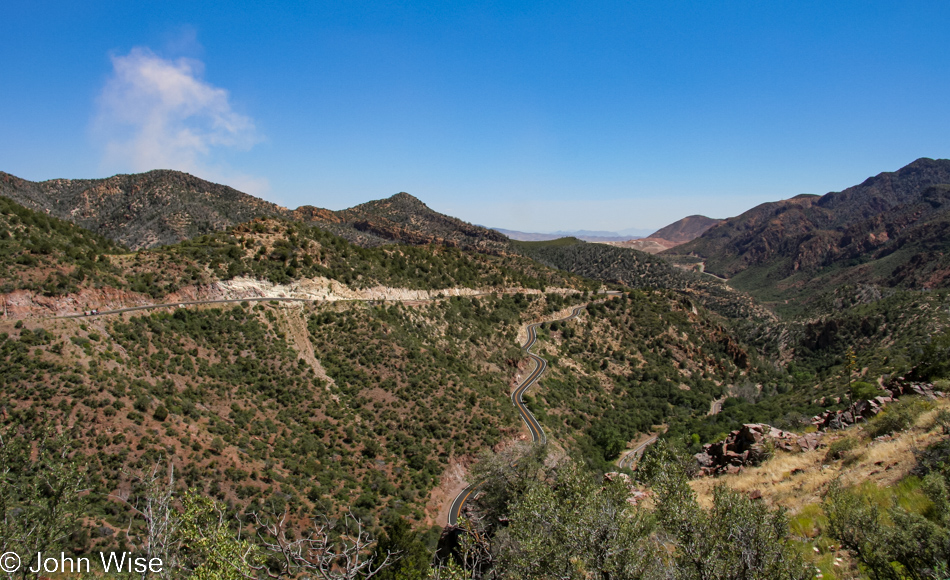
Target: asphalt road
[[456, 510], [631, 457], [537, 433], [175, 304], [271, 299]]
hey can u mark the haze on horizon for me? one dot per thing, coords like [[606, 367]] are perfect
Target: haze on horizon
[[521, 115]]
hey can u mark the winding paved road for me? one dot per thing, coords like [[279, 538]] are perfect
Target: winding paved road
[[631, 457], [537, 433]]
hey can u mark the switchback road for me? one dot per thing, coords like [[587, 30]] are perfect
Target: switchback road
[[517, 397]]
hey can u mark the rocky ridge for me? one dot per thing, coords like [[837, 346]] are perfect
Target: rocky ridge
[[140, 210], [164, 207], [891, 229], [752, 443]]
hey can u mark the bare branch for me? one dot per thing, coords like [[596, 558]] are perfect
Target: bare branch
[[344, 558]]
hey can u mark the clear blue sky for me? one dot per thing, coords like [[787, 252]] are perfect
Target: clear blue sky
[[536, 116]]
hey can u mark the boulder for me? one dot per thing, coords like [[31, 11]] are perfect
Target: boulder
[[750, 446]]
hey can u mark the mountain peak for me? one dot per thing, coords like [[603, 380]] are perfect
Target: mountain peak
[[686, 229], [406, 202], [403, 196], [141, 210]]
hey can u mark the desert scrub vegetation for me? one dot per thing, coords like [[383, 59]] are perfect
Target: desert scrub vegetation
[[639, 270], [281, 251], [226, 395], [878, 499], [51, 256], [891, 332], [897, 416], [43, 506], [541, 517], [898, 534], [54, 257], [630, 364]]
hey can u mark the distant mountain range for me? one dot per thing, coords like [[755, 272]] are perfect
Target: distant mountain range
[[164, 207], [893, 229], [586, 235], [678, 232]]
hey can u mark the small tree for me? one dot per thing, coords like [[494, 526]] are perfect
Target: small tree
[[41, 487], [208, 548], [505, 476], [738, 538], [575, 527]]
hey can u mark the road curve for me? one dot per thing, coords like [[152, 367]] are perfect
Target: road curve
[[630, 458], [537, 433]]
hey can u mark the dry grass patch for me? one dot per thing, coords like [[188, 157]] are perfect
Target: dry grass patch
[[797, 480]]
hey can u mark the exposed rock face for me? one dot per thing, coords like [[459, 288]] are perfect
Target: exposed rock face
[[21, 304], [749, 446], [648, 245], [832, 420]]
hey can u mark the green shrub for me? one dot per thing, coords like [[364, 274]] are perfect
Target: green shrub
[[891, 542], [943, 421], [897, 417], [840, 448], [863, 391]]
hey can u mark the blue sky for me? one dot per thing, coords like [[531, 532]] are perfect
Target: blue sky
[[537, 116]]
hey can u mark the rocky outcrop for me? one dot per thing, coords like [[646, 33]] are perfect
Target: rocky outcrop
[[752, 444], [833, 420], [749, 446]]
